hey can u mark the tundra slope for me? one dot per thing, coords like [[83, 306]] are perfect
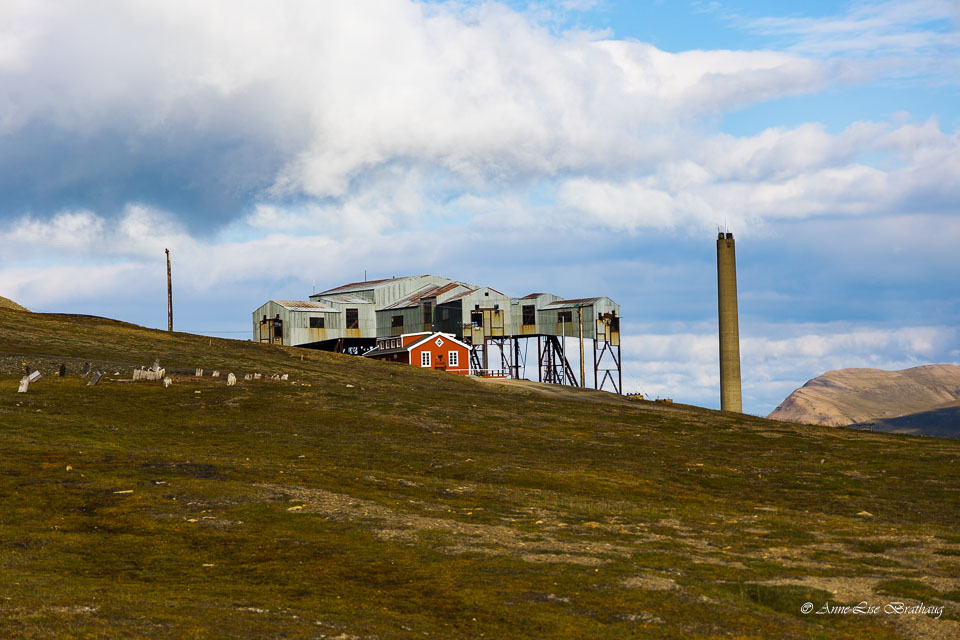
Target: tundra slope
[[367, 500]]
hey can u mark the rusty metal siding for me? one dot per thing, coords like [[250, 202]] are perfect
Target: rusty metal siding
[[262, 331], [515, 326], [495, 310]]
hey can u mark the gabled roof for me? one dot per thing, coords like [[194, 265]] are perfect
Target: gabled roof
[[365, 285], [446, 336], [304, 305], [428, 291]]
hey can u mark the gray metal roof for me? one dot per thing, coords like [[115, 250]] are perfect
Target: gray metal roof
[[428, 291], [304, 305], [365, 285], [573, 303], [344, 298]]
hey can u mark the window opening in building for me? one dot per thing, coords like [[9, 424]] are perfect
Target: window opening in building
[[424, 358], [529, 314], [565, 316], [427, 312], [396, 321], [316, 323], [453, 358], [476, 318], [353, 318]]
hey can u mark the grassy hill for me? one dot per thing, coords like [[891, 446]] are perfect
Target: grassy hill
[[373, 500], [7, 303]]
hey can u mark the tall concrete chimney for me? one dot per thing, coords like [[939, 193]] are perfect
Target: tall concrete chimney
[[730, 399]]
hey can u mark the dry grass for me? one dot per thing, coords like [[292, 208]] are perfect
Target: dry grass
[[364, 499]]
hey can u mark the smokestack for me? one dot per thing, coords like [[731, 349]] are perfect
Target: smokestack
[[730, 399]]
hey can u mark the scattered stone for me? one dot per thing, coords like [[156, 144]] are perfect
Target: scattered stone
[[349, 386], [865, 514], [231, 379], [95, 379], [216, 374], [69, 468], [167, 382], [247, 376], [257, 376], [284, 376], [643, 616], [199, 373], [125, 491], [298, 507]]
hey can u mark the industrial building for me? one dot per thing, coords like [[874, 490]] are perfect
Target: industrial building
[[357, 317]]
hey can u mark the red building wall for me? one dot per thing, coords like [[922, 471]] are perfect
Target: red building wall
[[442, 353]]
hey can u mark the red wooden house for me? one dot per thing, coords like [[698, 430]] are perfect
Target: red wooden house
[[427, 350]]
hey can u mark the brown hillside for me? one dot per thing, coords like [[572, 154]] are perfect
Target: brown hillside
[[6, 303], [846, 396]]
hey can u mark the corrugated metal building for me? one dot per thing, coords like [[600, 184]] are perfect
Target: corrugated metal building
[[352, 317], [294, 322]]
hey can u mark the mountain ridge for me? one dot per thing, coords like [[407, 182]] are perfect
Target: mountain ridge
[[848, 396]]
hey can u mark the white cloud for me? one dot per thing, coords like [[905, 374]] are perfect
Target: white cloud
[[781, 174], [685, 365], [339, 88], [906, 38], [138, 231]]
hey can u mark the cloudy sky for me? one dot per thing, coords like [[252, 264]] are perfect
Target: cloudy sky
[[582, 147]]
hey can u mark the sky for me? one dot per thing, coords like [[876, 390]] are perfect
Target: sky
[[580, 147]]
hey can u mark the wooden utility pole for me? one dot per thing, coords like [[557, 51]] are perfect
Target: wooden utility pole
[[169, 294]]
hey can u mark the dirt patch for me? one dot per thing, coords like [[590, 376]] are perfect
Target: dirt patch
[[649, 583], [846, 590], [554, 390], [467, 537]]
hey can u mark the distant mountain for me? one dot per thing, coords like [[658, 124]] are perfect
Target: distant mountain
[[6, 303], [942, 423], [846, 396]]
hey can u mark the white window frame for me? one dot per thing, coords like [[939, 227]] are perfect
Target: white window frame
[[426, 359], [453, 359]]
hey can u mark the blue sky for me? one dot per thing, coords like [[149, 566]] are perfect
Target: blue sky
[[576, 146]]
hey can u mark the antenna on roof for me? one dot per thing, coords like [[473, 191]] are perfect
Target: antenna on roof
[[364, 275], [314, 285]]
